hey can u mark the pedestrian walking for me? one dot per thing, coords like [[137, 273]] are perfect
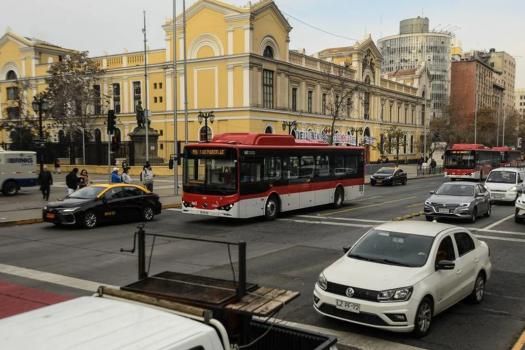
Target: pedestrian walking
[[58, 170], [83, 180], [115, 177], [45, 179], [124, 165], [432, 165], [72, 181], [125, 176], [146, 176]]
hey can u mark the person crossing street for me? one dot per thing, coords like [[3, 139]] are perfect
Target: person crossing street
[[45, 179]]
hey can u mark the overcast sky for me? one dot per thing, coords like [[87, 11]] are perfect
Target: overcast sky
[[110, 26]]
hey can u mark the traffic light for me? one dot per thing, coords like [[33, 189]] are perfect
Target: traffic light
[[112, 122]]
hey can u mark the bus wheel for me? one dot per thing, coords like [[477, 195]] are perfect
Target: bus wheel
[[339, 197], [271, 209], [10, 188]]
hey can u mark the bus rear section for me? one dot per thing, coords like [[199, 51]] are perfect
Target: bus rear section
[[17, 169], [470, 162], [510, 157], [250, 179]]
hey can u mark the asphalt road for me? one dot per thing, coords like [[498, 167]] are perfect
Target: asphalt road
[[287, 253]]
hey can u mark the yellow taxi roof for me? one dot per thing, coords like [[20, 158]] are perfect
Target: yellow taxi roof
[[108, 186]]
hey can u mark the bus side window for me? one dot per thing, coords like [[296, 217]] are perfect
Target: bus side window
[[322, 166], [307, 167], [291, 166], [272, 168]]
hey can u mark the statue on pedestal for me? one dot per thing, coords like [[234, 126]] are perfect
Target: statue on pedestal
[[140, 115]]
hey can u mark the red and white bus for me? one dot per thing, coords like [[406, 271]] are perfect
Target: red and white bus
[[509, 157], [248, 175], [470, 161]]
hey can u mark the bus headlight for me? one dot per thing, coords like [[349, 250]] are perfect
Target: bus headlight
[[513, 189], [227, 207]]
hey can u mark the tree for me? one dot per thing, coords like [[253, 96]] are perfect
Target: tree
[[339, 100], [21, 122], [74, 92], [394, 140]]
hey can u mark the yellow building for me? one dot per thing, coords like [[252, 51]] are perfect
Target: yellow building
[[239, 65]]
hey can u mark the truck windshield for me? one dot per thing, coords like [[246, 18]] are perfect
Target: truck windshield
[[210, 171], [459, 159]]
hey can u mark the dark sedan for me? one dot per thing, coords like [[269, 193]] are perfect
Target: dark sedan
[[388, 176], [93, 205]]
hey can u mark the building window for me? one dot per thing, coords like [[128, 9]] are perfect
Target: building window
[[205, 134], [116, 98], [96, 96], [12, 93], [310, 101], [367, 106], [155, 99], [160, 99], [348, 107], [412, 116], [268, 52], [268, 130], [137, 92], [161, 132], [13, 112], [411, 143], [267, 88], [160, 85], [294, 99], [323, 105], [11, 75], [405, 144], [155, 86]]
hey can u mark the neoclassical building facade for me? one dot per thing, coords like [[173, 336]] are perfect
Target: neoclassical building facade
[[240, 66]]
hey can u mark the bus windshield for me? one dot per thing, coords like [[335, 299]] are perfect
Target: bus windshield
[[459, 159], [210, 171]]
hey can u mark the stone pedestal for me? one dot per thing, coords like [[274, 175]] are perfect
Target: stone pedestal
[[138, 137]]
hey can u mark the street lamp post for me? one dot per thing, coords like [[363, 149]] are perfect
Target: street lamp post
[[40, 106], [290, 125], [205, 116]]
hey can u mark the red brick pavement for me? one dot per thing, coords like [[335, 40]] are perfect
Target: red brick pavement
[[15, 299]]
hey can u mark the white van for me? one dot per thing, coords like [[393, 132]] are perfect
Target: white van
[[100, 323], [17, 169], [504, 183]]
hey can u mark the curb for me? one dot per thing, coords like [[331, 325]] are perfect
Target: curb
[[171, 206], [21, 222], [409, 216], [520, 343]]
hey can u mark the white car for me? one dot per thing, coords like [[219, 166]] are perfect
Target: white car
[[504, 183], [519, 215], [399, 275]]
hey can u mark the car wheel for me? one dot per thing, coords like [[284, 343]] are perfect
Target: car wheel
[[429, 218], [478, 293], [404, 181], [89, 220], [147, 213], [474, 215], [271, 208], [516, 218], [423, 319], [372, 183], [489, 211], [339, 198], [10, 188]]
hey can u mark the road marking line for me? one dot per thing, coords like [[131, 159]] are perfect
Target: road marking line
[[520, 344], [500, 238], [54, 278], [325, 223], [498, 222], [369, 206], [174, 209], [342, 219], [414, 205], [500, 232]]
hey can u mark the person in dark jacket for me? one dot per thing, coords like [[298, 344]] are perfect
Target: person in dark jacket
[[45, 179], [72, 181]]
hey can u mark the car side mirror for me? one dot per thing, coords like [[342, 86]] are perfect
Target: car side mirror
[[432, 192], [445, 265], [346, 248]]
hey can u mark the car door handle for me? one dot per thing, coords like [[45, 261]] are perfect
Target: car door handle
[[458, 272]]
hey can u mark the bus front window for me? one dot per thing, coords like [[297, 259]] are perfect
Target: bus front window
[[210, 175], [459, 160]]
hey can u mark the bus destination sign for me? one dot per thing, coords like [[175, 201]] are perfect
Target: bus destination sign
[[208, 152]]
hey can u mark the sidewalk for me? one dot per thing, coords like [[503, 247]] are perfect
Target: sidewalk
[[34, 215]]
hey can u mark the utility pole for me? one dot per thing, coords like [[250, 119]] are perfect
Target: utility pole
[[146, 110], [504, 117], [175, 105], [476, 108], [185, 74]]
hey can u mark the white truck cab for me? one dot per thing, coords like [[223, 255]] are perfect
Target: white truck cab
[[104, 323], [17, 169]]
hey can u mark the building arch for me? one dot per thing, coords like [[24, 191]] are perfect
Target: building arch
[[204, 40], [268, 129], [9, 71], [268, 44], [117, 135], [205, 135], [98, 136]]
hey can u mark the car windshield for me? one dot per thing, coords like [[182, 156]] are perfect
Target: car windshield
[[210, 171], [387, 171], [450, 189], [504, 177], [393, 248], [90, 192]]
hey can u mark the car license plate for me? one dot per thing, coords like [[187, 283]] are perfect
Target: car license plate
[[443, 210], [497, 195], [379, 181], [50, 215], [204, 212], [348, 306]]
